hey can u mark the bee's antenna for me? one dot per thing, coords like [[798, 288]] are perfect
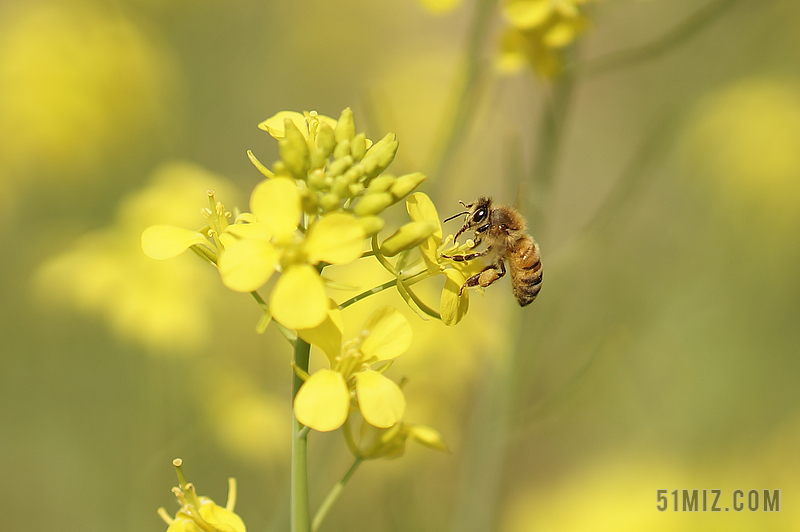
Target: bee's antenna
[[456, 216]]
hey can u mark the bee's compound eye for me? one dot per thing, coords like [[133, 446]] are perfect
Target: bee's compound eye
[[480, 215]]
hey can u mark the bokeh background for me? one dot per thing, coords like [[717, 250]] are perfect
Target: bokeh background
[[660, 174]]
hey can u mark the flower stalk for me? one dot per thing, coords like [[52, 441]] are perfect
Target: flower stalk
[[333, 495], [299, 487]]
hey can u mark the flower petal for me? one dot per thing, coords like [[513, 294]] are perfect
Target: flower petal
[[323, 401], [276, 203], [166, 241], [274, 125], [337, 239], [388, 334], [380, 400], [453, 307], [298, 300], [220, 518], [421, 209], [328, 334], [248, 264], [249, 230]]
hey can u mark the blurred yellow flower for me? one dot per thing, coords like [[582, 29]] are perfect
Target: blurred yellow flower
[[538, 31], [77, 83], [323, 401], [747, 136], [201, 514], [163, 305]]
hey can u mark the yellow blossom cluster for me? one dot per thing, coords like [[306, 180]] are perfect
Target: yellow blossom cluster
[[318, 206], [537, 33]]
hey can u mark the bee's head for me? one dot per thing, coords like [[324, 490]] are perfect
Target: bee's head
[[477, 216]]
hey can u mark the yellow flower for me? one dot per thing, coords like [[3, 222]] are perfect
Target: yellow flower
[[538, 30], [316, 207], [305, 122], [267, 240], [323, 401], [201, 514], [425, 233]]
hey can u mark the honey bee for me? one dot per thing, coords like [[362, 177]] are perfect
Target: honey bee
[[503, 229]]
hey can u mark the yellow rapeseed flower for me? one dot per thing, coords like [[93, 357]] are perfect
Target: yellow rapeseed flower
[[425, 233], [538, 30], [201, 514], [267, 240], [316, 207], [323, 401]]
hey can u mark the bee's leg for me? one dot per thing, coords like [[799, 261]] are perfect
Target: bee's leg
[[468, 256], [486, 276]]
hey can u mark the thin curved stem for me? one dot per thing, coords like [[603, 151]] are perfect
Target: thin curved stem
[[684, 31], [367, 293], [333, 495]]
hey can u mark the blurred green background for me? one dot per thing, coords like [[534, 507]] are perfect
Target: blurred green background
[[661, 353]]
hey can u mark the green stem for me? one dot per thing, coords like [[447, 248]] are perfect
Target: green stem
[[366, 294], [674, 37], [333, 495], [299, 501]]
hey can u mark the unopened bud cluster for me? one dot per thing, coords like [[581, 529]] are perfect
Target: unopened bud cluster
[[337, 169]]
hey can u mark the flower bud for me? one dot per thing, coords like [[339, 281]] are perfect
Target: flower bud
[[318, 158], [346, 126], [337, 168], [355, 189], [280, 170], [309, 201], [380, 184], [373, 204], [329, 202], [403, 185], [341, 150], [380, 155], [358, 146], [408, 236], [342, 183], [326, 139], [294, 151], [371, 224], [317, 181], [354, 173]]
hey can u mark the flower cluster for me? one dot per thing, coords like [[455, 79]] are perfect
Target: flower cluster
[[316, 207], [538, 32], [321, 205]]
